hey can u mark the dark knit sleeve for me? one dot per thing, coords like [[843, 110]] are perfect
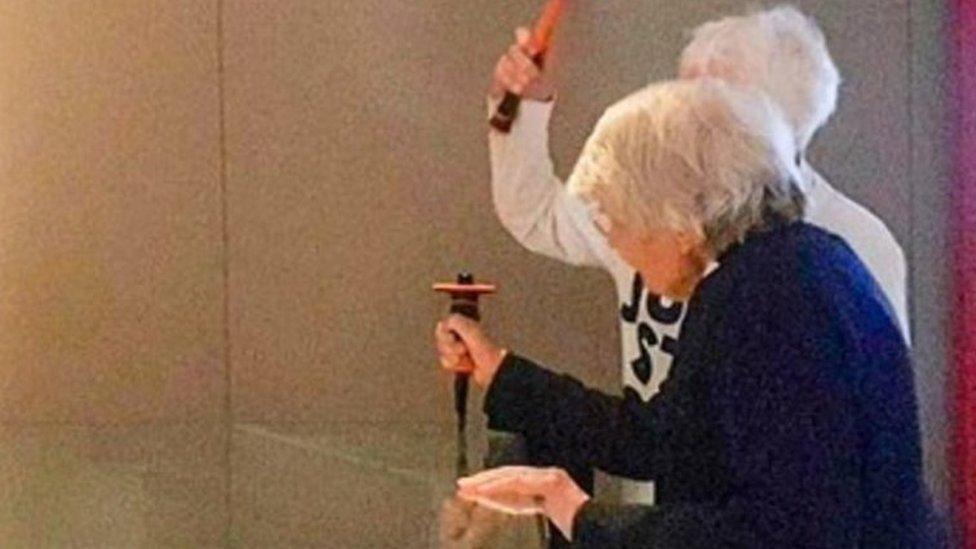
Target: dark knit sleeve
[[618, 435], [610, 526], [512, 400]]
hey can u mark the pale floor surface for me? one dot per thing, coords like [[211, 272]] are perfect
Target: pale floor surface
[[190, 485]]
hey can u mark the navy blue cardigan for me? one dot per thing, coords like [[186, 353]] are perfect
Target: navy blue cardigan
[[788, 419]]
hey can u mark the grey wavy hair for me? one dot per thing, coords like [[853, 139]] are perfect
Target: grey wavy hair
[[691, 155], [779, 51]]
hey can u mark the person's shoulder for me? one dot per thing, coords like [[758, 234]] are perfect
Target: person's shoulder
[[793, 241], [834, 274], [774, 263], [775, 279], [786, 262], [865, 231], [817, 249], [806, 249]]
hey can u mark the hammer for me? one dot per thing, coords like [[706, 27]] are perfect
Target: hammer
[[542, 33]]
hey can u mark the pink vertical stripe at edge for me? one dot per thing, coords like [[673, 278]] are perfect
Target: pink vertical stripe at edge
[[964, 252]]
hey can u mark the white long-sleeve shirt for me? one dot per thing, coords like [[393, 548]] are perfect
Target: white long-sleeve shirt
[[534, 206]]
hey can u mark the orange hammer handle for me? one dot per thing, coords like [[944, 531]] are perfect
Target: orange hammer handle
[[542, 33]]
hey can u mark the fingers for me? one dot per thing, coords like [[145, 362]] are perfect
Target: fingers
[[525, 481], [456, 364], [469, 331], [523, 37], [509, 503], [462, 346], [462, 365], [524, 65], [452, 352], [494, 474], [512, 490], [530, 485], [508, 482], [515, 70], [447, 340], [509, 77], [477, 346]]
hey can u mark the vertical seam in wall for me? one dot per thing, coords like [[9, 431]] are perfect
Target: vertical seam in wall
[[228, 410], [910, 109], [911, 294]]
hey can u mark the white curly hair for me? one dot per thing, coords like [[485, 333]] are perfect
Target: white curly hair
[[700, 156], [779, 51]]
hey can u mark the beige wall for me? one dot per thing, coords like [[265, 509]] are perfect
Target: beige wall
[[110, 246], [356, 174]]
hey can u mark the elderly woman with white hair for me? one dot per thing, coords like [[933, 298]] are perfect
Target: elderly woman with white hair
[[779, 52], [788, 419]]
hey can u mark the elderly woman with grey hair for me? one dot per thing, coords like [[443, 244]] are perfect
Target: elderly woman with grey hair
[[788, 419], [780, 52]]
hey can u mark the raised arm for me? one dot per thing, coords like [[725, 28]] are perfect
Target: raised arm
[[530, 200]]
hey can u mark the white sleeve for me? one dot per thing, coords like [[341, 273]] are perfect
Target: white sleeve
[[895, 285], [870, 239], [532, 203]]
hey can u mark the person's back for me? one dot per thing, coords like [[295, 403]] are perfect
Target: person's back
[[841, 388], [867, 235], [894, 505]]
